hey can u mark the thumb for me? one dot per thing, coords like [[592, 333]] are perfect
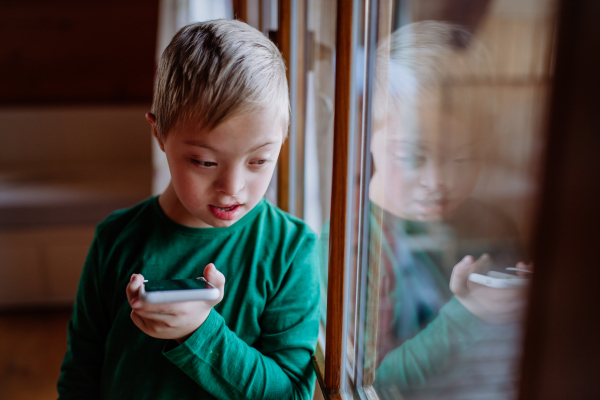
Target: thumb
[[214, 276], [133, 288], [460, 275], [525, 269]]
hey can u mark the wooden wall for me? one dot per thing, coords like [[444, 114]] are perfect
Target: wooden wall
[[70, 52]]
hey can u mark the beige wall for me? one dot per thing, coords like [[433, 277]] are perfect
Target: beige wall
[[38, 136], [56, 162]]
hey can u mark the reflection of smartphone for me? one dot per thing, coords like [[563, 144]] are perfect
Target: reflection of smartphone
[[168, 291], [499, 280]]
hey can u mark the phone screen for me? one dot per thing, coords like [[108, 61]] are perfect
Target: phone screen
[[177, 284]]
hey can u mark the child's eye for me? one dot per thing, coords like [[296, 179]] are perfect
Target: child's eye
[[204, 163], [260, 162], [411, 160], [463, 160]]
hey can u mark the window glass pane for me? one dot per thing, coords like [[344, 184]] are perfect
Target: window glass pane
[[318, 155], [354, 181], [455, 142], [319, 111]]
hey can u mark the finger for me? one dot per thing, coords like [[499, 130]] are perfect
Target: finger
[[133, 288], [158, 308], [460, 275], [128, 290], [214, 276], [144, 308], [138, 321], [156, 317], [531, 266], [482, 265], [155, 308], [488, 295], [525, 269]]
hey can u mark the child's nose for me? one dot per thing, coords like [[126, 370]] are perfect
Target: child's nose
[[231, 182], [434, 176]]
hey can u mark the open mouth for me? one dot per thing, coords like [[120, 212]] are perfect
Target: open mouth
[[434, 206], [230, 208], [226, 213]]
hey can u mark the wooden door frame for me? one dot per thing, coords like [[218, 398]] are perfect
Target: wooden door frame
[[562, 346]]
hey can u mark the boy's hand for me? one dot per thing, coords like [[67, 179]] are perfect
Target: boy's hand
[[491, 305], [172, 320]]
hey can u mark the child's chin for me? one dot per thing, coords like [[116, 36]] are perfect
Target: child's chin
[[423, 216], [224, 223], [430, 217], [434, 216]]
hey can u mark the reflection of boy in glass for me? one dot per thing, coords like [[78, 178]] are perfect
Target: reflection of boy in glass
[[428, 150]]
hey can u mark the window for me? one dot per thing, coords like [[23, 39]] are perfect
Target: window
[[416, 140], [438, 129]]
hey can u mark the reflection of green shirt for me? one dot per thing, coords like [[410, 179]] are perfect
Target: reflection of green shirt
[[422, 329], [255, 344]]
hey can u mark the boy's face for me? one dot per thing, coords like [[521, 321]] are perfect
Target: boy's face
[[426, 163], [219, 175]]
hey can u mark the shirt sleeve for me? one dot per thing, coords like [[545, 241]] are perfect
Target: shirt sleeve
[[81, 369], [433, 350], [279, 366]]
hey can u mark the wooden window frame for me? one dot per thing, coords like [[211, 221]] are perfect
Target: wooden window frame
[[330, 367], [291, 40]]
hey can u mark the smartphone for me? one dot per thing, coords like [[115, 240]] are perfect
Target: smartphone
[[168, 291], [499, 280]]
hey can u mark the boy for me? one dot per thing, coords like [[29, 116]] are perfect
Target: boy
[[220, 114]]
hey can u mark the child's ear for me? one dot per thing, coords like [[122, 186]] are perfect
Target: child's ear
[[151, 118]]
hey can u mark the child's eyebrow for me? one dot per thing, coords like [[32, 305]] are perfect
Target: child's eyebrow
[[398, 141], [199, 144], [466, 145], [261, 145], [205, 146]]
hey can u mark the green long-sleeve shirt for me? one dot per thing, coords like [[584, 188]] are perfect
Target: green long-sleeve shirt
[[425, 336], [255, 344]]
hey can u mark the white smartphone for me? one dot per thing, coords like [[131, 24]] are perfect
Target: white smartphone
[[168, 291], [499, 280]]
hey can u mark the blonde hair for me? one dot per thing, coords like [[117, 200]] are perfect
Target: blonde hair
[[214, 70], [427, 56]]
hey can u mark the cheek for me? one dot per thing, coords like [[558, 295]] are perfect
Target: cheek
[[259, 181], [182, 175], [178, 166], [465, 178], [399, 183], [189, 183]]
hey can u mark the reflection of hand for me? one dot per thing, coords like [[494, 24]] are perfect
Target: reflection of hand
[[523, 269], [172, 320], [491, 305]]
